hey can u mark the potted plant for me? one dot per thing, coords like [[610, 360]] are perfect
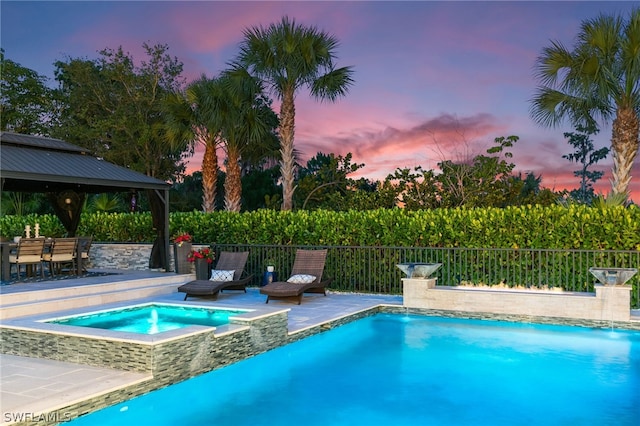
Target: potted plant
[[182, 239], [181, 250], [270, 264], [202, 258]]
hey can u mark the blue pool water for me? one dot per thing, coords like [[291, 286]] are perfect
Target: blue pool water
[[412, 370], [150, 319]]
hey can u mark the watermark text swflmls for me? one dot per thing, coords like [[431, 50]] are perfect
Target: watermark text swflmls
[[11, 417]]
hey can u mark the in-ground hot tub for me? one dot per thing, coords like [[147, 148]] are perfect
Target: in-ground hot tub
[[169, 356], [150, 318]]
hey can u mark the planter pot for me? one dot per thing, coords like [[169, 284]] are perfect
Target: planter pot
[[269, 277], [203, 269], [180, 253]]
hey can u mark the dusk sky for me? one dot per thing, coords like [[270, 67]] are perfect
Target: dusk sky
[[433, 80]]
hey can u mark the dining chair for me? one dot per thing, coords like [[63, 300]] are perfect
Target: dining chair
[[62, 252], [29, 253], [82, 251]]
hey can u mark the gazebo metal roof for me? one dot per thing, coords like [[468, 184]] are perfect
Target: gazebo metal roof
[[38, 164]]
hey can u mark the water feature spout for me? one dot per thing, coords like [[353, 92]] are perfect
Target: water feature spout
[[419, 270], [613, 276]]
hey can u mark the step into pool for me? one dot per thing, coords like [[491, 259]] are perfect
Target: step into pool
[[151, 318]]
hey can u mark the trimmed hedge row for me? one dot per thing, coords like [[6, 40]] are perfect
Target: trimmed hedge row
[[554, 227]]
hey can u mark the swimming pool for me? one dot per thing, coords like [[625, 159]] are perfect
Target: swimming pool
[[392, 369], [151, 318]]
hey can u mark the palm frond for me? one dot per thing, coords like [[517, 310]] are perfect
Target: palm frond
[[333, 84]]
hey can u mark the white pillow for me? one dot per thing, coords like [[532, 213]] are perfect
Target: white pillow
[[222, 275], [301, 279]]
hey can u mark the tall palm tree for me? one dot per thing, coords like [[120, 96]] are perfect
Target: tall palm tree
[[190, 117], [246, 120], [598, 79], [287, 56]]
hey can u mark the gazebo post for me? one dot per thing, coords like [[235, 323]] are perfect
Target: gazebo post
[[166, 230]]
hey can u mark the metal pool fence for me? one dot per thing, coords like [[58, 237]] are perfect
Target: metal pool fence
[[373, 269]]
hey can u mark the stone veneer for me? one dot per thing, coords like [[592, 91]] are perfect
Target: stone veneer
[[206, 349], [127, 256], [622, 325]]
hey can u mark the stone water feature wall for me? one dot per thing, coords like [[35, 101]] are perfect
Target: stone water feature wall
[[608, 303]]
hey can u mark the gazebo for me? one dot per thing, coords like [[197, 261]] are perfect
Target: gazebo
[[66, 173]]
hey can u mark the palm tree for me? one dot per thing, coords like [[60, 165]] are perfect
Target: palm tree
[[287, 57], [598, 79], [246, 120], [190, 117]]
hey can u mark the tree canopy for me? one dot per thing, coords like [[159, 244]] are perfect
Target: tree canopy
[[487, 180], [27, 104], [586, 155], [115, 108]]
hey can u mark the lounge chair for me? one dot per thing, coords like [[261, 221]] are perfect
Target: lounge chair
[[308, 267], [227, 275]]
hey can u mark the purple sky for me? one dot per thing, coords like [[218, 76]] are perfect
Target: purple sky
[[433, 80]]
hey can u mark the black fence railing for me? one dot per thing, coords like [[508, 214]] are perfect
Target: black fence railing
[[373, 269]]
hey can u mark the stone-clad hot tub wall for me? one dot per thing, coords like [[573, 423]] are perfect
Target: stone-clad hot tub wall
[[169, 360]]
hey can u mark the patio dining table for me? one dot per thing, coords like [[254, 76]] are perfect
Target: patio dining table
[[7, 246]]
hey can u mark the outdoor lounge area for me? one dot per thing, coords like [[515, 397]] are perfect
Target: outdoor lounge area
[[74, 384], [82, 369], [236, 279], [229, 275]]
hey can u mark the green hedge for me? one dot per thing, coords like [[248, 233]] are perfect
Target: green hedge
[[532, 227], [576, 227], [554, 227]]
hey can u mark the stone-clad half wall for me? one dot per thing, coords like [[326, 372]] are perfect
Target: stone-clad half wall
[[130, 256]]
